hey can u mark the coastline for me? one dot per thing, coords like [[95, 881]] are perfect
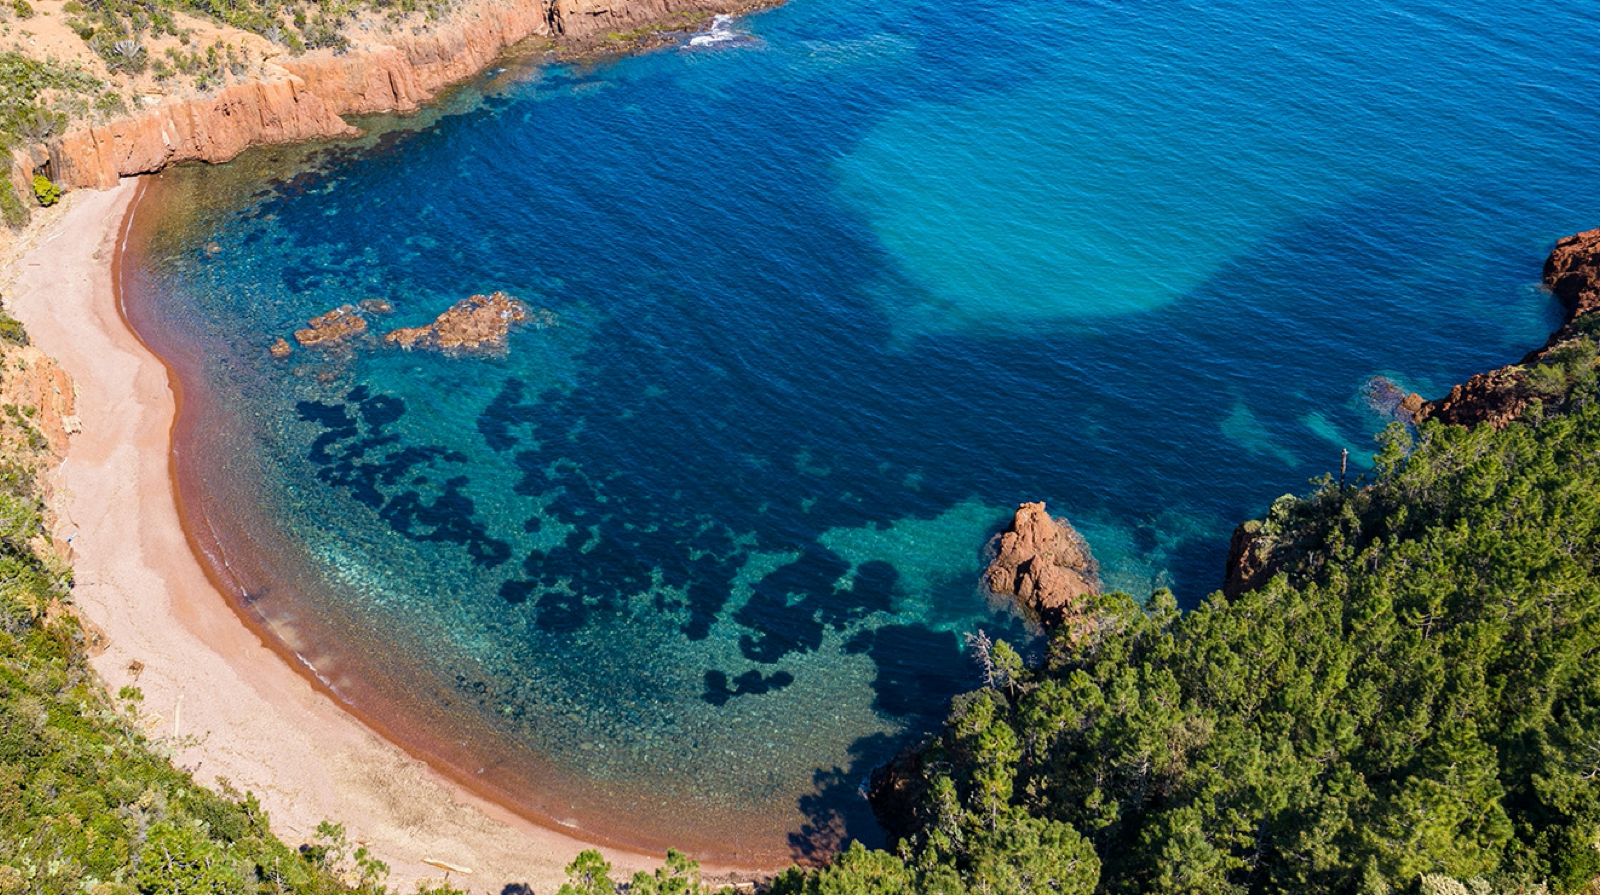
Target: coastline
[[306, 97], [224, 703]]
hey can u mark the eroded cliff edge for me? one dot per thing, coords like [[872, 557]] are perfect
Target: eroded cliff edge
[[307, 96]]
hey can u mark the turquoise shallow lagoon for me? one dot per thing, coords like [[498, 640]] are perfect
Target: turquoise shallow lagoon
[[832, 291]]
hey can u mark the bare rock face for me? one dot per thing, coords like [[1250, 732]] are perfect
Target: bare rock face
[[29, 378], [1572, 272], [1496, 397], [473, 325], [1250, 565], [336, 327], [1044, 563]]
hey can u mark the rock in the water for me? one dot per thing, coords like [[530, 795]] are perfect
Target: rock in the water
[[477, 324], [335, 327], [1391, 401], [1044, 563], [376, 306], [281, 349]]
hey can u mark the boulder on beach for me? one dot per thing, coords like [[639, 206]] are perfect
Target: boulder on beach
[[1044, 563], [478, 324]]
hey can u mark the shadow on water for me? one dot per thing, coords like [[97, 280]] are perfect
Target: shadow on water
[[837, 812]]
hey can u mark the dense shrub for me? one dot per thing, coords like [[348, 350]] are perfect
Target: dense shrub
[[46, 192], [24, 115]]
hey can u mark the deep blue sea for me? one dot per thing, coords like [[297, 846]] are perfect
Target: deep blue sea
[[834, 287]]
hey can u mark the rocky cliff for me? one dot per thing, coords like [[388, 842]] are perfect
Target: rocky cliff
[[307, 96]]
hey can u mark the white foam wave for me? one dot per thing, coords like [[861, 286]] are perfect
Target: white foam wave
[[720, 34]]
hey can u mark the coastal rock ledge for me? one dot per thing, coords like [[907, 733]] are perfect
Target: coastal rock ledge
[[1572, 274], [1044, 563]]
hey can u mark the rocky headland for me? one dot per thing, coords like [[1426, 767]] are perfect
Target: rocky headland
[[1044, 564], [1497, 397], [1572, 274]]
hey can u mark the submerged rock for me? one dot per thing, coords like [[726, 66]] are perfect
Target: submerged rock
[[475, 325], [376, 306], [1044, 563], [335, 327], [1389, 400]]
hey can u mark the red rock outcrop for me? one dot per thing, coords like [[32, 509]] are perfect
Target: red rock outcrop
[[213, 129], [477, 324], [1249, 564], [1496, 397], [305, 101], [1572, 274], [1044, 563], [336, 327], [29, 378]]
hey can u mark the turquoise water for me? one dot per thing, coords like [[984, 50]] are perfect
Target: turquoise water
[[833, 290]]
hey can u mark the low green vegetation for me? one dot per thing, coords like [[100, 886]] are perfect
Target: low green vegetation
[[1412, 705], [13, 212], [117, 29], [46, 192], [38, 98], [590, 874]]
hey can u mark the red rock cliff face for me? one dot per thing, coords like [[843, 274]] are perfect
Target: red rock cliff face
[[307, 100]]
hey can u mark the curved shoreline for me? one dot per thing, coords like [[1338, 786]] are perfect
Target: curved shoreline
[[251, 717]]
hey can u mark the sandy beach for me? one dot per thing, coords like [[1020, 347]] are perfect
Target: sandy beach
[[224, 704]]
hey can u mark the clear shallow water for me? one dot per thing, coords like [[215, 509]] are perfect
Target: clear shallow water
[[834, 291]]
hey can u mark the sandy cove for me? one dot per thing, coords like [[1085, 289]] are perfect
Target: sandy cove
[[225, 704]]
